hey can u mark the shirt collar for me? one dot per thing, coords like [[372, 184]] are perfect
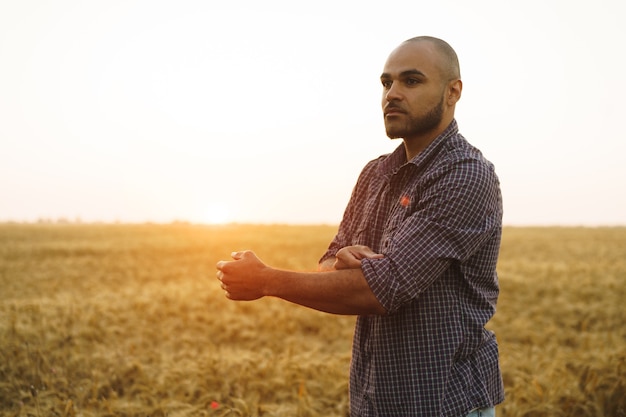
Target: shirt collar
[[395, 160]]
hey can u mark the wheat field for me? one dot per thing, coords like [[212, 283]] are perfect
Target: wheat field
[[128, 320]]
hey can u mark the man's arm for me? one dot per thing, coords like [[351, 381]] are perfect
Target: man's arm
[[327, 265], [342, 291], [349, 257]]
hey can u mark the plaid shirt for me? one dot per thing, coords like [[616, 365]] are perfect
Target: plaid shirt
[[438, 221]]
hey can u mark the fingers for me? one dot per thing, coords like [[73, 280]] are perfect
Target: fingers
[[242, 278], [350, 257], [220, 277], [362, 252], [237, 256], [223, 266]]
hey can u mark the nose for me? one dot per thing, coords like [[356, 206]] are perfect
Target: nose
[[392, 93]]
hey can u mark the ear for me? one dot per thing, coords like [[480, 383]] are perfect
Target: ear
[[455, 88]]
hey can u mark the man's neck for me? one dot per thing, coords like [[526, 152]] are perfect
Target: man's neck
[[416, 144]]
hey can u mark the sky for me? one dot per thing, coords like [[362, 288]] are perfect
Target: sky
[[265, 112]]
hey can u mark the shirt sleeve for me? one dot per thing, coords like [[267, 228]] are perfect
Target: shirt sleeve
[[454, 211], [347, 227]]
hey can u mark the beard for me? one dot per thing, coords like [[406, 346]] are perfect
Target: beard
[[416, 125]]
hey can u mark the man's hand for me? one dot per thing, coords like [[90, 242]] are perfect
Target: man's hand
[[243, 278], [350, 256]]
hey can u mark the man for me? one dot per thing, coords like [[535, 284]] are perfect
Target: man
[[415, 255]]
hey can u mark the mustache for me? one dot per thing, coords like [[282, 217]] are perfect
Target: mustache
[[393, 106]]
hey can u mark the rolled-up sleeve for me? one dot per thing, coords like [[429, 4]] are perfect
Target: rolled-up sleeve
[[453, 212]]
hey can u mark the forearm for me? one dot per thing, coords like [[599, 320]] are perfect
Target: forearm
[[327, 265], [338, 292]]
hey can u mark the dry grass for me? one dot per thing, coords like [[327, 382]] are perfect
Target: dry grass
[[128, 320]]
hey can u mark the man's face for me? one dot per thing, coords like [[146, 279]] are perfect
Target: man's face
[[413, 91]]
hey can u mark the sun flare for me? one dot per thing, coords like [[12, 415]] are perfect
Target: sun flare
[[217, 214]]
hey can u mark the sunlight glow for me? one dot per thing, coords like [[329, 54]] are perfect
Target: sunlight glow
[[217, 213], [250, 104]]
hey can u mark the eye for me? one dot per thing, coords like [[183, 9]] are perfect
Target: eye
[[413, 81], [386, 84]]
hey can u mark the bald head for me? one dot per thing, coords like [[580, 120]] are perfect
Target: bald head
[[421, 86], [449, 62]]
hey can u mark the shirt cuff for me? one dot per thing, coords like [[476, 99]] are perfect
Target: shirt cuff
[[377, 273]]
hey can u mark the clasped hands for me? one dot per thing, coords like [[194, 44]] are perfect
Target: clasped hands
[[245, 277]]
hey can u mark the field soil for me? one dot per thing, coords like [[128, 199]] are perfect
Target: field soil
[[129, 320]]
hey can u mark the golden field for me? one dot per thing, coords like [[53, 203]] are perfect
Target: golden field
[[129, 320]]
